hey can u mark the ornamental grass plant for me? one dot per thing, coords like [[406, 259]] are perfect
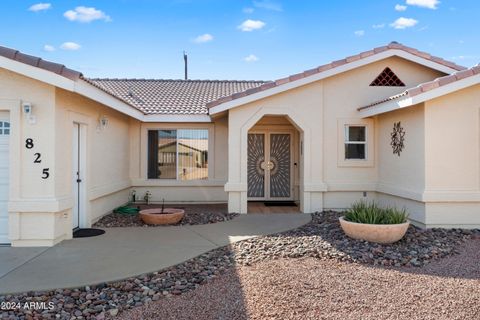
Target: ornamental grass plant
[[372, 213]]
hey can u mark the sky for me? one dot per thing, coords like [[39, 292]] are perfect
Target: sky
[[232, 39]]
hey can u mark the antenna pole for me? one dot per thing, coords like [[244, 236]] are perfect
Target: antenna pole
[[185, 59]]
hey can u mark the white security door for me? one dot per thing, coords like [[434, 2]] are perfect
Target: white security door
[[4, 179], [76, 176]]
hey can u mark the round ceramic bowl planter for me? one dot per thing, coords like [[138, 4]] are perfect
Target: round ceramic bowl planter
[[157, 217], [379, 233]]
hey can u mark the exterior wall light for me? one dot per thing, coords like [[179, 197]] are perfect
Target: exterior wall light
[[102, 123], [28, 112]]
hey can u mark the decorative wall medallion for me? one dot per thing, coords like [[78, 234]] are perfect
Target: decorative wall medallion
[[398, 138]]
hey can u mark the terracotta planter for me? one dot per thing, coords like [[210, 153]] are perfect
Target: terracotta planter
[[155, 216], [379, 233]]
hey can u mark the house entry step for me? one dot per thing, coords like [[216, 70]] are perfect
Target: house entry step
[[280, 204]]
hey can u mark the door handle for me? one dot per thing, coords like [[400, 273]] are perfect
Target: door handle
[[79, 180], [270, 165]]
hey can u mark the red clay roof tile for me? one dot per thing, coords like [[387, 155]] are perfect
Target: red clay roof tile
[[429, 86], [446, 80], [464, 74], [40, 63]]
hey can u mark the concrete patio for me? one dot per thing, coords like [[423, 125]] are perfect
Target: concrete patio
[[124, 252]]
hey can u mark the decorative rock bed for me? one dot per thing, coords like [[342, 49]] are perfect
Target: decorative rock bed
[[194, 215], [322, 238]]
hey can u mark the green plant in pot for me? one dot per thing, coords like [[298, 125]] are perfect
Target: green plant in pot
[[371, 222]]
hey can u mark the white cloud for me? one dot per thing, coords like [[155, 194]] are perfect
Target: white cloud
[[268, 5], [465, 57], [403, 23], [399, 7], [203, 38], [48, 48], [250, 25], [248, 10], [84, 14], [378, 26], [359, 33], [430, 4], [251, 58], [40, 7], [70, 46]]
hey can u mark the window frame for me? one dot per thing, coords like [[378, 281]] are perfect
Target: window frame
[[176, 180], [5, 125], [342, 124], [347, 141]]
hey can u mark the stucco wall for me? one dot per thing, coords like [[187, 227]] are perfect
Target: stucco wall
[[453, 140], [343, 94], [402, 174], [324, 107], [107, 175], [452, 134], [211, 190], [33, 207]]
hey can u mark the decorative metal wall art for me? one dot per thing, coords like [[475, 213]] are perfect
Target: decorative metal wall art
[[398, 138]]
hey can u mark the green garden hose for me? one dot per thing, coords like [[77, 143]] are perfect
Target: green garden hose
[[126, 210]]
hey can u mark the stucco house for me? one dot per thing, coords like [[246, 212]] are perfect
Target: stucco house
[[392, 124]]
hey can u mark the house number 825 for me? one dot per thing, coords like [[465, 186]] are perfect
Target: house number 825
[[37, 158]]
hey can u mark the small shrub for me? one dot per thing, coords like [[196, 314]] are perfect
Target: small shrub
[[371, 213]]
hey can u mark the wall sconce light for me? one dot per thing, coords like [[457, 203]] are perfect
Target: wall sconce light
[[28, 112], [102, 123]]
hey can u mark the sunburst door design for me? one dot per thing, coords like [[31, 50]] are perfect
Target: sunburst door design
[[279, 165], [256, 162]]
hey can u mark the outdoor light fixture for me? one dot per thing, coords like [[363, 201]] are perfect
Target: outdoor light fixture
[[28, 112], [102, 123]]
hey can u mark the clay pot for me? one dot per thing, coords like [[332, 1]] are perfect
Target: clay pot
[[379, 233], [156, 217]]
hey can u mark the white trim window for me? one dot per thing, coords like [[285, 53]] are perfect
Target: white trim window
[[4, 128], [355, 142], [178, 154]]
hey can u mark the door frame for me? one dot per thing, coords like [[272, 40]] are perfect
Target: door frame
[[267, 133], [7, 144], [80, 197]]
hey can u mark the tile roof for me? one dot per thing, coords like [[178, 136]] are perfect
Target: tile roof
[[428, 86], [334, 64], [147, 95], [192, 97], [57, 68], [152, 96]]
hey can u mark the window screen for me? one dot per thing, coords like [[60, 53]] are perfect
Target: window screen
[[178, 154], [355, 142]]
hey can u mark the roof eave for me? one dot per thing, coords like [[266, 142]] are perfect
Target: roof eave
[[197, 118], [300, 81], [419, 98]]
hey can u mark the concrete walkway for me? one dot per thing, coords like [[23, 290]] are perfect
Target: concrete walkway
[[124, 252]]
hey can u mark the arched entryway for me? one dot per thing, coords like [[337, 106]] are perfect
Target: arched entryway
[[273, 166], [276, 121]]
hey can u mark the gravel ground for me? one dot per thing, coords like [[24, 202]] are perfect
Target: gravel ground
[[309, 288], [194, 214], [323, 238], [320, 246]]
